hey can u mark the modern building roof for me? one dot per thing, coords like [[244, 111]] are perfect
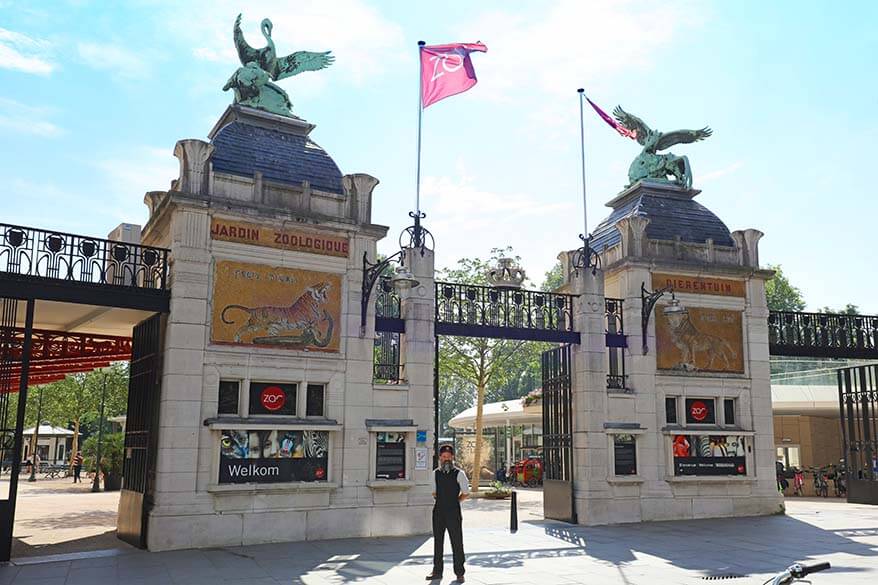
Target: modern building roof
[[498, 414], [282, 157], [671, 211], [48, 431]]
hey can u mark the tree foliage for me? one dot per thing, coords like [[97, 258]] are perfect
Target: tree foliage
[[781, 294], [471, 369], [554, 278]]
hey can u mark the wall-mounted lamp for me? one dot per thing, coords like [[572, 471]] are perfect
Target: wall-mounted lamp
[[648, 300], [415, 236]]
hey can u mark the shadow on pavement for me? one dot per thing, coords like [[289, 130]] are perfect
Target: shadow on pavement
[[769, 543]]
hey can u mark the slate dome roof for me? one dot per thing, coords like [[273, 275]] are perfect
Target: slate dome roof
[[282, 157], [671, 213]]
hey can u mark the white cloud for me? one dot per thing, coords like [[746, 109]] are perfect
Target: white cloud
[[570, 44], [115, 58], [26, 119], [468, 221], [126, 179], [23, 53], [364, 42]]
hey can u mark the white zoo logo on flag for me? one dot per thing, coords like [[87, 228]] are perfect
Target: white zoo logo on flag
[[443, 59]]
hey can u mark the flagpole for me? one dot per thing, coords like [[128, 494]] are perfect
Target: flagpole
[[420, 118], [581, 92], [417, 213]]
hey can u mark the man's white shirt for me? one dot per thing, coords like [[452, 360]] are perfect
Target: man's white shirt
[[462, 480]]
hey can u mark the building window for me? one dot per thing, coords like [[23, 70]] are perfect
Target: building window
[[390, 456], [700, 411], [729, 411], [671, 410], [789, 456], [268, 398], [624, 455], [314, 400], [709, 455], [267, 456], [228, 397]]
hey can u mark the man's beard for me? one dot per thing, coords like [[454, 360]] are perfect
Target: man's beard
[[447, 466]]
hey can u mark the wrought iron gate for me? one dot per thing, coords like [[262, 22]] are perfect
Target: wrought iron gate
[[138, 483], [558, 502], [15, 353], [858, 403]]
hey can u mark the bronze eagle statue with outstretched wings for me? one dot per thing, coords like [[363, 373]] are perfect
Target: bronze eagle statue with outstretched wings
[[653, 139], [251, 82], [649, 164]]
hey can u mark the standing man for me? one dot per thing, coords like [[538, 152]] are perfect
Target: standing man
[[77, 467], [450, 488]]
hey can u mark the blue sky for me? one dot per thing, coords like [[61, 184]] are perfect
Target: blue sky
[[94, 95]]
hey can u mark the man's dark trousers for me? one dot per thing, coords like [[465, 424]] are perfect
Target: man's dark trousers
[[447, 516]]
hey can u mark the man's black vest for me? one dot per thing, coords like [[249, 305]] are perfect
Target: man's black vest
[[447, 491]]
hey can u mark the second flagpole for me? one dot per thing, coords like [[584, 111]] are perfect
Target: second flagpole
[[581, 92]]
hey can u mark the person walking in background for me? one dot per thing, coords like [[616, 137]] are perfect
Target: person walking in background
[[77, 467], [450, 487]]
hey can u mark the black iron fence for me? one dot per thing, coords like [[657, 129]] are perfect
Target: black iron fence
[[29, 251], [485, 311], [386, 363], [616, 343], [823, 335], [858, 404]]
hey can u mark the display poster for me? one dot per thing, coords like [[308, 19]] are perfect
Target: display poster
[[254, 304], [625, 455], [709, 455], [273, 456], [700, 411], [421, 455], [699, 339], [269, 398], [390, 463]]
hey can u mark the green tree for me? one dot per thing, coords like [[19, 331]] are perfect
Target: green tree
[[554, 278], [77, 398], [479, 363], [781, 294], [849, 309]]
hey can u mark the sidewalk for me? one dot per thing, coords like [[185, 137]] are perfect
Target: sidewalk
[[543, 553]]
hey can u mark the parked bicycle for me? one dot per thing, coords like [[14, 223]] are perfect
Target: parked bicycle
[[796, 572], [821, 487], [798, 482]]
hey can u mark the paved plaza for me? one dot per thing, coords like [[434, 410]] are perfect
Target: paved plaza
[[56, 516], [540, 552]]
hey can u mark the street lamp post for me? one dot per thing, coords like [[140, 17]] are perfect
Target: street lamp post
[[96, 485], [36, 439]]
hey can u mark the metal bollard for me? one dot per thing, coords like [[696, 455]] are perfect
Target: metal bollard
[[513, 514]]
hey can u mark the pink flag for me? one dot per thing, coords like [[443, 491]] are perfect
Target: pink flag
[[613, 124], [447, 70]]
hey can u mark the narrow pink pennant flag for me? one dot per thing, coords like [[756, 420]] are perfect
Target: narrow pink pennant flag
[[447, 70], [613, 124]]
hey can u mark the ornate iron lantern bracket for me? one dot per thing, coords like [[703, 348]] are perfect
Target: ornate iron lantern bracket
[[647, 304], [414, 236], [586, 258]]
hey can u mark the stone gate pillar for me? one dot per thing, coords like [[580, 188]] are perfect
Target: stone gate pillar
[[419, 349], [589, 397]]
